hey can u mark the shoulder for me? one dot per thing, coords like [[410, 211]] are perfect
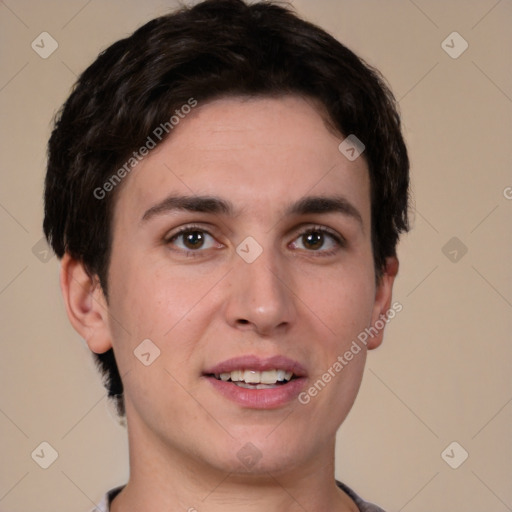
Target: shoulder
[[364, 506], [104, 504]]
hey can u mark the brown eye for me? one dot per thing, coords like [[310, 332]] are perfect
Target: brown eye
[[193, 239], [319, 240], [190, 240], [313, 240]]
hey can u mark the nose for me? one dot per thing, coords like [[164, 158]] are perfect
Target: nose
[[260, 296]]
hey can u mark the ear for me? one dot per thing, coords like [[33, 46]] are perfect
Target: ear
[[86, 304], [382, 303]]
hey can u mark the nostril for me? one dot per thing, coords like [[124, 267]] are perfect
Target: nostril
[[243, 321]]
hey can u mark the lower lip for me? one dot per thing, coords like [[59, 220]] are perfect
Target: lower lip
[[270, 398]]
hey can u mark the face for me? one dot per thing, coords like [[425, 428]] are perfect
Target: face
[[242, 250]]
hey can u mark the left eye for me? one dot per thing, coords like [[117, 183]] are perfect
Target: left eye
[[316, 239], [192, 239]]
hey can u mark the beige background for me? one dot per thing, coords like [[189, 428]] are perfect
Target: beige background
[[443, 373]]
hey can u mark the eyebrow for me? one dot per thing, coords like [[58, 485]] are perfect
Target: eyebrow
[[325, 204], [216, 205], [203, 204]]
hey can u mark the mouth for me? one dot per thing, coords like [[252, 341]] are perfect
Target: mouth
[[258, 383]]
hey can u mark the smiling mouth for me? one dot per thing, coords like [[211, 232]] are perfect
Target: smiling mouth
[[254, 379]]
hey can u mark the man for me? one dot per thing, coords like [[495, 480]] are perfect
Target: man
[[226, 188]]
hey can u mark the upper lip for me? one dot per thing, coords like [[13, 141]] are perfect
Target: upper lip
[[252, 362]]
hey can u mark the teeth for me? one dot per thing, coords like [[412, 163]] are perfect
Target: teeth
[[256, 386], [267, 377], [252, 377], [237, 375]]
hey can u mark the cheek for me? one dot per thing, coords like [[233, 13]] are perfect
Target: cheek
[[342, 300], [151, 300], [146, 305], [138, 311], [137, 295], [347, 305]]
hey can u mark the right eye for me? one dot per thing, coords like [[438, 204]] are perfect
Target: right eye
[[191, 240]]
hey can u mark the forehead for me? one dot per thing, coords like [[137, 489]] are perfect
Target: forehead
[[260, 153]]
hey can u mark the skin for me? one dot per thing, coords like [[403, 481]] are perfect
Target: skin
[[307, 302]]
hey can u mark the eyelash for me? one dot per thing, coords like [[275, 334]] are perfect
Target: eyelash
[[338, 239]]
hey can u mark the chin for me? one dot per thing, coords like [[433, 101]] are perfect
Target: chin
[[258, 453]]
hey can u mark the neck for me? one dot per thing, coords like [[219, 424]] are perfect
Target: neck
[[166, 478]]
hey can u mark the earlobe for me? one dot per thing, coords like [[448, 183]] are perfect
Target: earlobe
[[383, 296], [85, 304]]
